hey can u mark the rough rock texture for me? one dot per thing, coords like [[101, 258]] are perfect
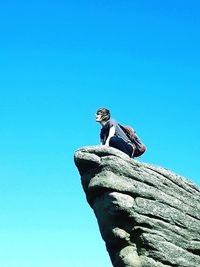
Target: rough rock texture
[[147, 215]]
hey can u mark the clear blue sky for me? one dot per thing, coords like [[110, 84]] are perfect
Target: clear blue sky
[[59, 62]]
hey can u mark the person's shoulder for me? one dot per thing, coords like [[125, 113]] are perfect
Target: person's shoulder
[[112, 121]]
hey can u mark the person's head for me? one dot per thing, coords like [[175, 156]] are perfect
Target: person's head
[[102, 115]]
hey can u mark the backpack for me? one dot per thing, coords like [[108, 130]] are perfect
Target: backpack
[[137, 144]]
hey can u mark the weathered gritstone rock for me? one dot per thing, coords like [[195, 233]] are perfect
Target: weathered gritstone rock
[[148, 216]]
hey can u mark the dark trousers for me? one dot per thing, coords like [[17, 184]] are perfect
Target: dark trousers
[[120, 144]]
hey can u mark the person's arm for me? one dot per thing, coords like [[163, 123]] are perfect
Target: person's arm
[[111, 133]]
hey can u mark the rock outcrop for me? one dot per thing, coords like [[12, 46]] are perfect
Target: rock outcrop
[[148, 216]]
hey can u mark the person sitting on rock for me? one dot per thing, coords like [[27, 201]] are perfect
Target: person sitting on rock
[[111, 133]]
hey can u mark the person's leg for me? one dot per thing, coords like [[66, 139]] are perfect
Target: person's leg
[[120, 144]]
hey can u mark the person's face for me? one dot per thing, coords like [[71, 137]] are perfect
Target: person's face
[[98, 117]]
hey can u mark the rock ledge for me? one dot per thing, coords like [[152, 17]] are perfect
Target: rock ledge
[[148, 216]]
